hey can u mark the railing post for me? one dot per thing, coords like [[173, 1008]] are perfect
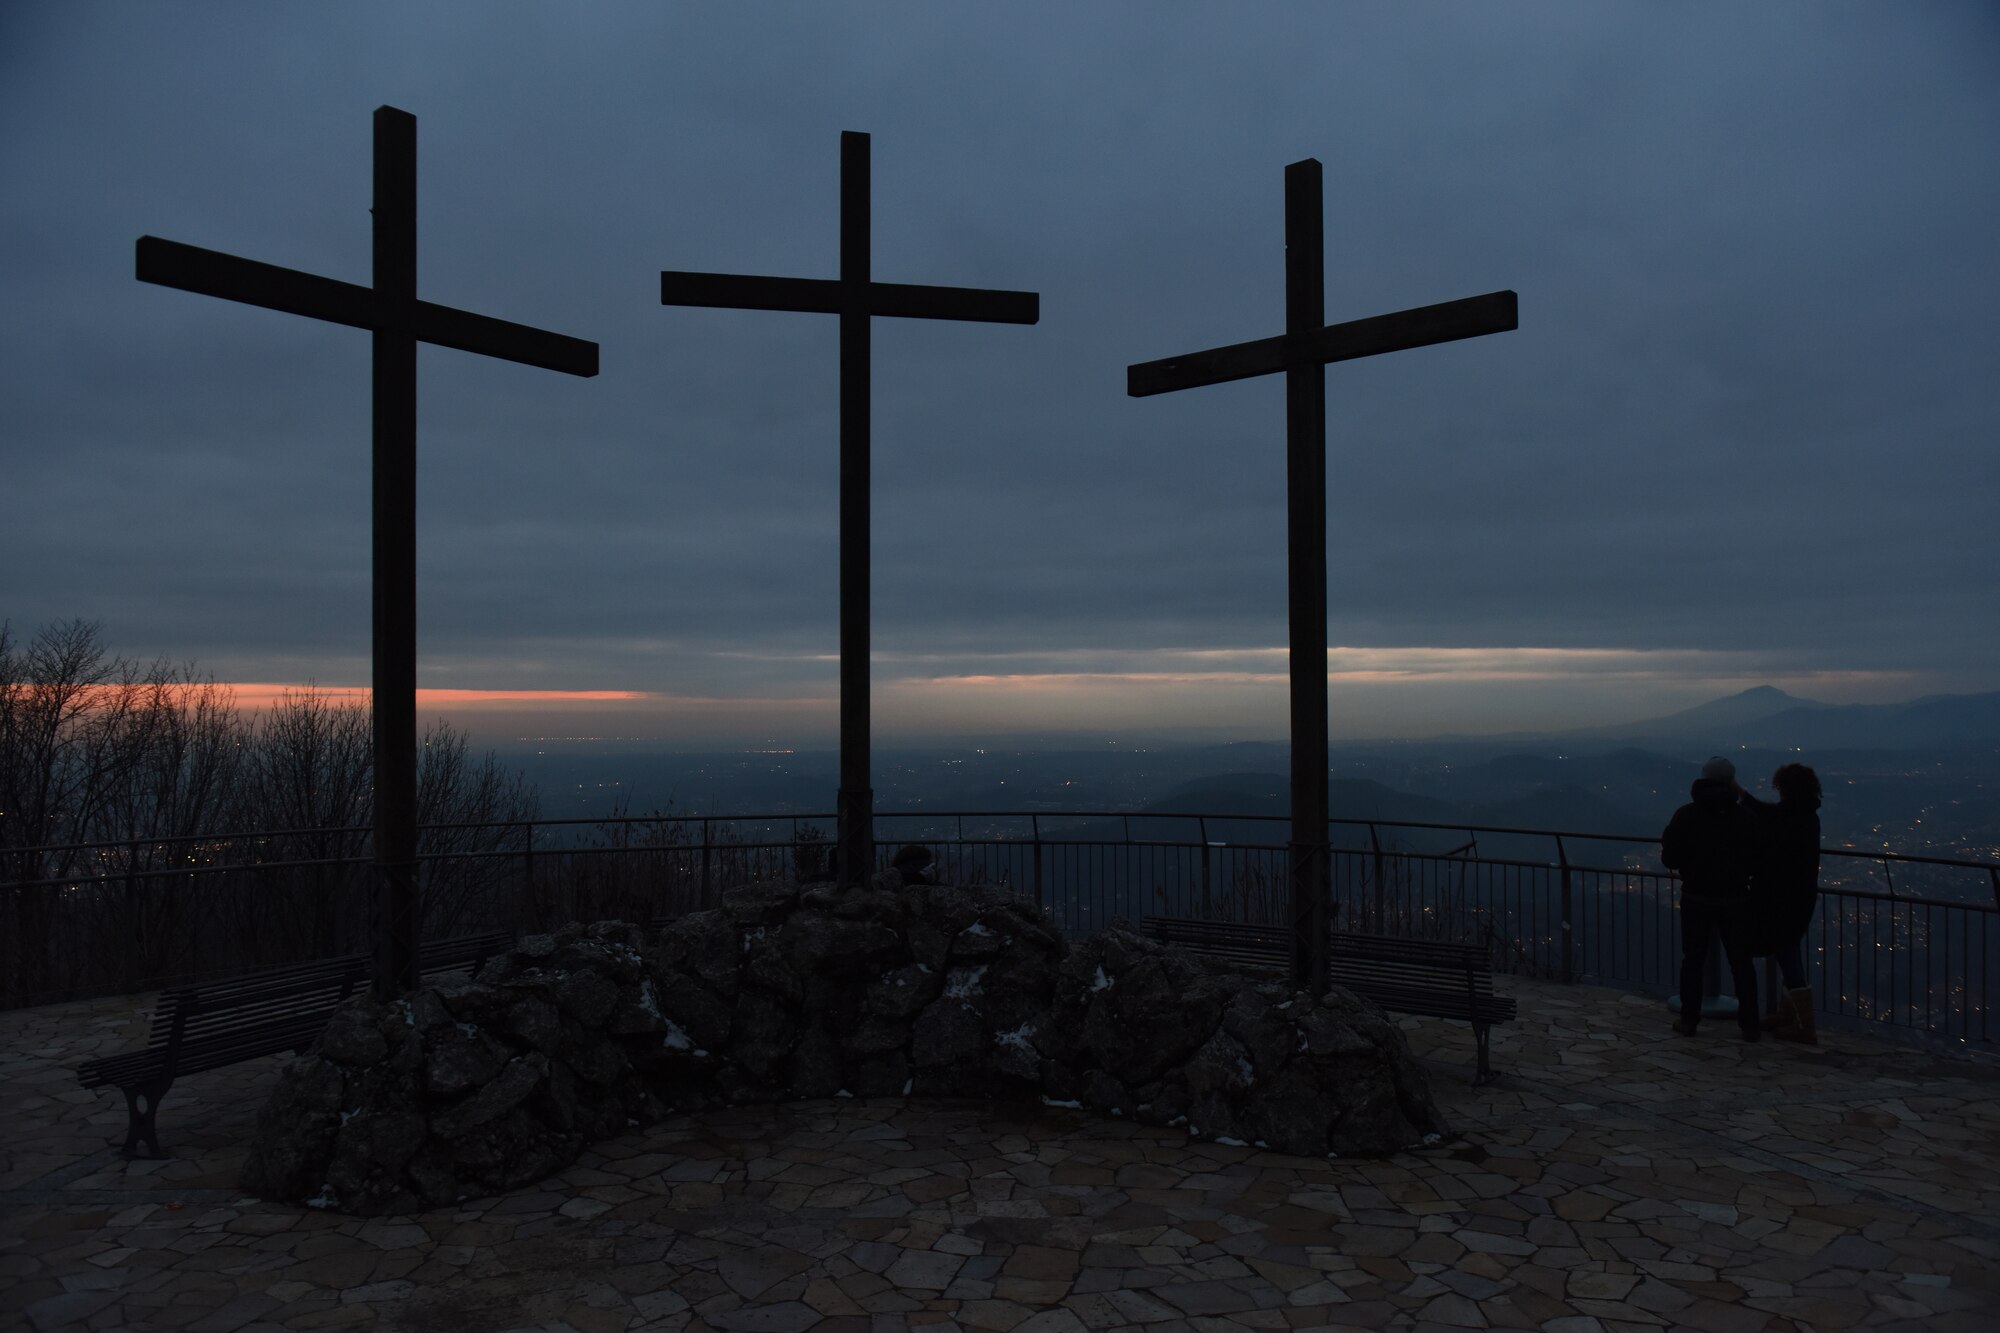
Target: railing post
[[132, 915], [1124, 890], [1568, 914], [528, 872], [1035, 839], [1381, 881], [1207, 879], [706, 840]]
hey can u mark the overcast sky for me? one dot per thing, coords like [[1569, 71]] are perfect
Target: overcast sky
[[1746, 431]]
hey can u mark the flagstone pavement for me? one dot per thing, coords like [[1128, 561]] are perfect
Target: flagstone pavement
[[1615, 1177]]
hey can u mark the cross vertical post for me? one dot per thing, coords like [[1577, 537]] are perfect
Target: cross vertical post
[[1303, 352], [857, 299], [854, 822], [394, 891], [1305, 562], [398, 321]]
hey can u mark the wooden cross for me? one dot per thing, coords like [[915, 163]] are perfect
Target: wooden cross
[[1302, 352], [391, 311], [855, 297]]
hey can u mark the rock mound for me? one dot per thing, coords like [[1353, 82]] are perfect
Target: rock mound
[[483, 1085]]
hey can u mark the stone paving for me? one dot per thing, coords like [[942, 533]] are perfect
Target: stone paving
[[1615, 1178]]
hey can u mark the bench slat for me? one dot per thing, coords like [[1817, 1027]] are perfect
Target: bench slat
[[1423, 977], [1392, 947], [1250, 948], [263, 1013], [195, 1057], [1456, 978]]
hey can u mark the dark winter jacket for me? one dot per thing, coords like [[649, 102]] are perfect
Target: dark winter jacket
[[1713, 842], [1786, 881]]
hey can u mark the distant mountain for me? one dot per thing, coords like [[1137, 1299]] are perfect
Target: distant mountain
[[1768, 718], [1941, 721], [1718, 717]]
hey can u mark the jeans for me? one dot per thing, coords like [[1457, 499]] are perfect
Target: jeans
[[1701, 921]]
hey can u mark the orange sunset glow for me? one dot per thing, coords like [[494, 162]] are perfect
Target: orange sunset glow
[[262, 694]]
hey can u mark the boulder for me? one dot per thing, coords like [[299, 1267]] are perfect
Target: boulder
[[478, 1085]]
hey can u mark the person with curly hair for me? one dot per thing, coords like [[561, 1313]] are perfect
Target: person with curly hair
[[1785, 890]]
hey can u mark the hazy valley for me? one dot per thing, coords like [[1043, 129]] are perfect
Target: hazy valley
[[1916, 778]]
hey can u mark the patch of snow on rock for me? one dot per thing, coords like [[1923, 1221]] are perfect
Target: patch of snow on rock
[[1017, 1037]]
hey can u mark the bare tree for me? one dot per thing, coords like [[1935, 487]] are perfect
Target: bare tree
[[308, 791], [54, 729], [312, 768], [182, 751], [466, 810], [64, 742], [187, 838]]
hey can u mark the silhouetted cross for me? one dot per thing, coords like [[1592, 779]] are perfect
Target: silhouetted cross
[[1302, 352], [390, 309], [855, 297]]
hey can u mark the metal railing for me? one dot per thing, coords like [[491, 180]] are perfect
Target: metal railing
[[1910, 942]]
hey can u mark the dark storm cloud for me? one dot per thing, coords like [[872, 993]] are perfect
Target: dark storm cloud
[[1750, 406]]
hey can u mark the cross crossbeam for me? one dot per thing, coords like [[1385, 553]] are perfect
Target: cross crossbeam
[[399, 321], [856, 298], [212, 273], [827, 296], [1424, 326], [1302, 354]]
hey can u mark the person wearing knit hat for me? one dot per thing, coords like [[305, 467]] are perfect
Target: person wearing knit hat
[[1712, 841]]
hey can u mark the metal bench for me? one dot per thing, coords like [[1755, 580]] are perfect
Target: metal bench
[[197, 1028], [1403, 976], [1245, 948], [1425, 978]]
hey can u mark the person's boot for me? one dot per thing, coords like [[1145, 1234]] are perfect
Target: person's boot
[[1781, 1016], [1801, 1027]]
